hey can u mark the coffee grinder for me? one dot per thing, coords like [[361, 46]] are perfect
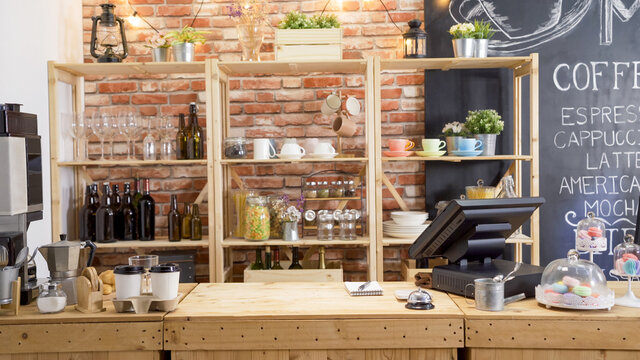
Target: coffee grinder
[[20, 188]]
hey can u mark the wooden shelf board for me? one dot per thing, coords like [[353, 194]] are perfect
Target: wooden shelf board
[[360, 241], [131, 68], [295, 67], [459, 158], [331, 198], [154, 244], [276, 161], [511, 62], [389, 241], [132, 162]]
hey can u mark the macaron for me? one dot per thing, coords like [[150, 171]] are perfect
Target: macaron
[[570, 281], [581, 290], [619, 265], [630, 267], [628, 256], [594, 231], [553, 297], [571, 299], [559, 287], [583, 234]]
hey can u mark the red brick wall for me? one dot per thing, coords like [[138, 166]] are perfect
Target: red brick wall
[[269, 106]]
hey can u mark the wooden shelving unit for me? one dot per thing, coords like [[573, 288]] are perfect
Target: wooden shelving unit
[[158, 243], [220, 171], [224, 174], [521, 66]]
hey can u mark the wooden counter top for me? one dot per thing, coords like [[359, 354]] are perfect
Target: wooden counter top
[[271, 301], [29, 314]]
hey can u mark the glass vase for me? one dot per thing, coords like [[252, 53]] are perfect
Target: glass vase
[[250, 37]]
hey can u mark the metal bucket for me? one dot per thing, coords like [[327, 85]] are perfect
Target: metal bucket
[[183, 52], [464, 48], [6, 277], [482, 48], [160, 54], [488, 143], [452, 143], [489, 295]]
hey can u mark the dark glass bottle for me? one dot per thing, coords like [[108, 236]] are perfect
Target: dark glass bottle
[[181, 140], [126, 219], [321, 263], [88, 216], [94, 194], [147, 214], [195, 142], [196, 223], [258, 264], [276, 259], [186, 222], [116, 201], [174, 220], [295, 261], [137, 185], [105, 218], [267, 258]]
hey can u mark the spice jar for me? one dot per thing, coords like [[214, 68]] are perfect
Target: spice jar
[[234, 148], [52, 298], [338, 190], [256, 219], [323, 190], [309, 218], [350, 188], [310, 191]]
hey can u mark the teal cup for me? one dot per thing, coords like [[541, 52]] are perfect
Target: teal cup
[[469, 145]]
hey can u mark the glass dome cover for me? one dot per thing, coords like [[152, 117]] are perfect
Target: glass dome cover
[[625, 258], [590, 234], [574, 284]]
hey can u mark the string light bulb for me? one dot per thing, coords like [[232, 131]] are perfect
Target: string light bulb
[[135, 20]]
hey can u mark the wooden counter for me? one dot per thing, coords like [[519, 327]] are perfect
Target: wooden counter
[[74, 335], [528, 330], [309, 321]]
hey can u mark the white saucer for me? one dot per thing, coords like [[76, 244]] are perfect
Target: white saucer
[[466, 153], [290, 156], [322, 156]]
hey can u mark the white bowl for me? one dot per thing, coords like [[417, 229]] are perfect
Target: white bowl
[[409, 217]]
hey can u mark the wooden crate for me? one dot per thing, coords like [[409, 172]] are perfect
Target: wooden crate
[[309, 273], [308, 44]]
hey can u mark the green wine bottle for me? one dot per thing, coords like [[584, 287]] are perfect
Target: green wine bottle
[[258, 264]]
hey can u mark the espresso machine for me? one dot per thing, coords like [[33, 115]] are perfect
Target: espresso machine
[[20, 188]]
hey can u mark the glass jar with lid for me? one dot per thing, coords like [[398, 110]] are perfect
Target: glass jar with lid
[[235, 148], [336, 189], [52, 299], [349, 188], [310, 218], [323, 190], [591, 234], [325, 225], [310, 190], [256, 223], [573, 283], [277, 209]]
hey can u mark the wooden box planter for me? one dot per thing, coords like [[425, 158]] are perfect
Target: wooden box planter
[[308, 44], [309, 273]]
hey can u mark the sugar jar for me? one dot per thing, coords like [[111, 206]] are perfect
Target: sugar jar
[[52, 298], [573, 283], [590, 234], [257, 220]]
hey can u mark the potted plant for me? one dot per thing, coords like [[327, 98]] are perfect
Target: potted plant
[[183, 42], [249, 16], [463, 39], [485, 125], [483, 32], [159, 45], [453, 132], [299, 37]]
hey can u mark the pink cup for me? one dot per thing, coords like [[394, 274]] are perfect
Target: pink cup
[[401, 144]]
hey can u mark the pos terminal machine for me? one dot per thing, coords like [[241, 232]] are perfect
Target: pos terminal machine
[[471, 234]]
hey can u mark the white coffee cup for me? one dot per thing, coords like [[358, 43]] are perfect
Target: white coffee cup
[[128, 281], [309, 144], [323, 148], [353, 106], [165, 280], [292, 149], [262, 149], [333, 101], [326, 110]]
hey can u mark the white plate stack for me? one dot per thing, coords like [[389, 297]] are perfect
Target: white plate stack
[[406, 224]]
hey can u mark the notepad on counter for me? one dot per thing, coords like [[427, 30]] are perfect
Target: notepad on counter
[[369, 288]]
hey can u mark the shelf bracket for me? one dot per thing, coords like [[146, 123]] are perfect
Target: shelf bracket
[[394, 192], [237, 179], [203, 194]]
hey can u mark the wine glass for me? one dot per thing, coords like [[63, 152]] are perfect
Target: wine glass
[[166, 137], [79, 134], [149, 142], [99, 126], [111, 130], [129, 125]]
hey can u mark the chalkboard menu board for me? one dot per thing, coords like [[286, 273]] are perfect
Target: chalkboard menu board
[[589, 107]]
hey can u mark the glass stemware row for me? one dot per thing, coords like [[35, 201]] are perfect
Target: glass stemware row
[[128, 124]]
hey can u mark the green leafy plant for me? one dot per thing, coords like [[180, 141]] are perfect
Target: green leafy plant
[[483, 30], [484, 122], [186, 35], [462, 31], [298, 20]]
